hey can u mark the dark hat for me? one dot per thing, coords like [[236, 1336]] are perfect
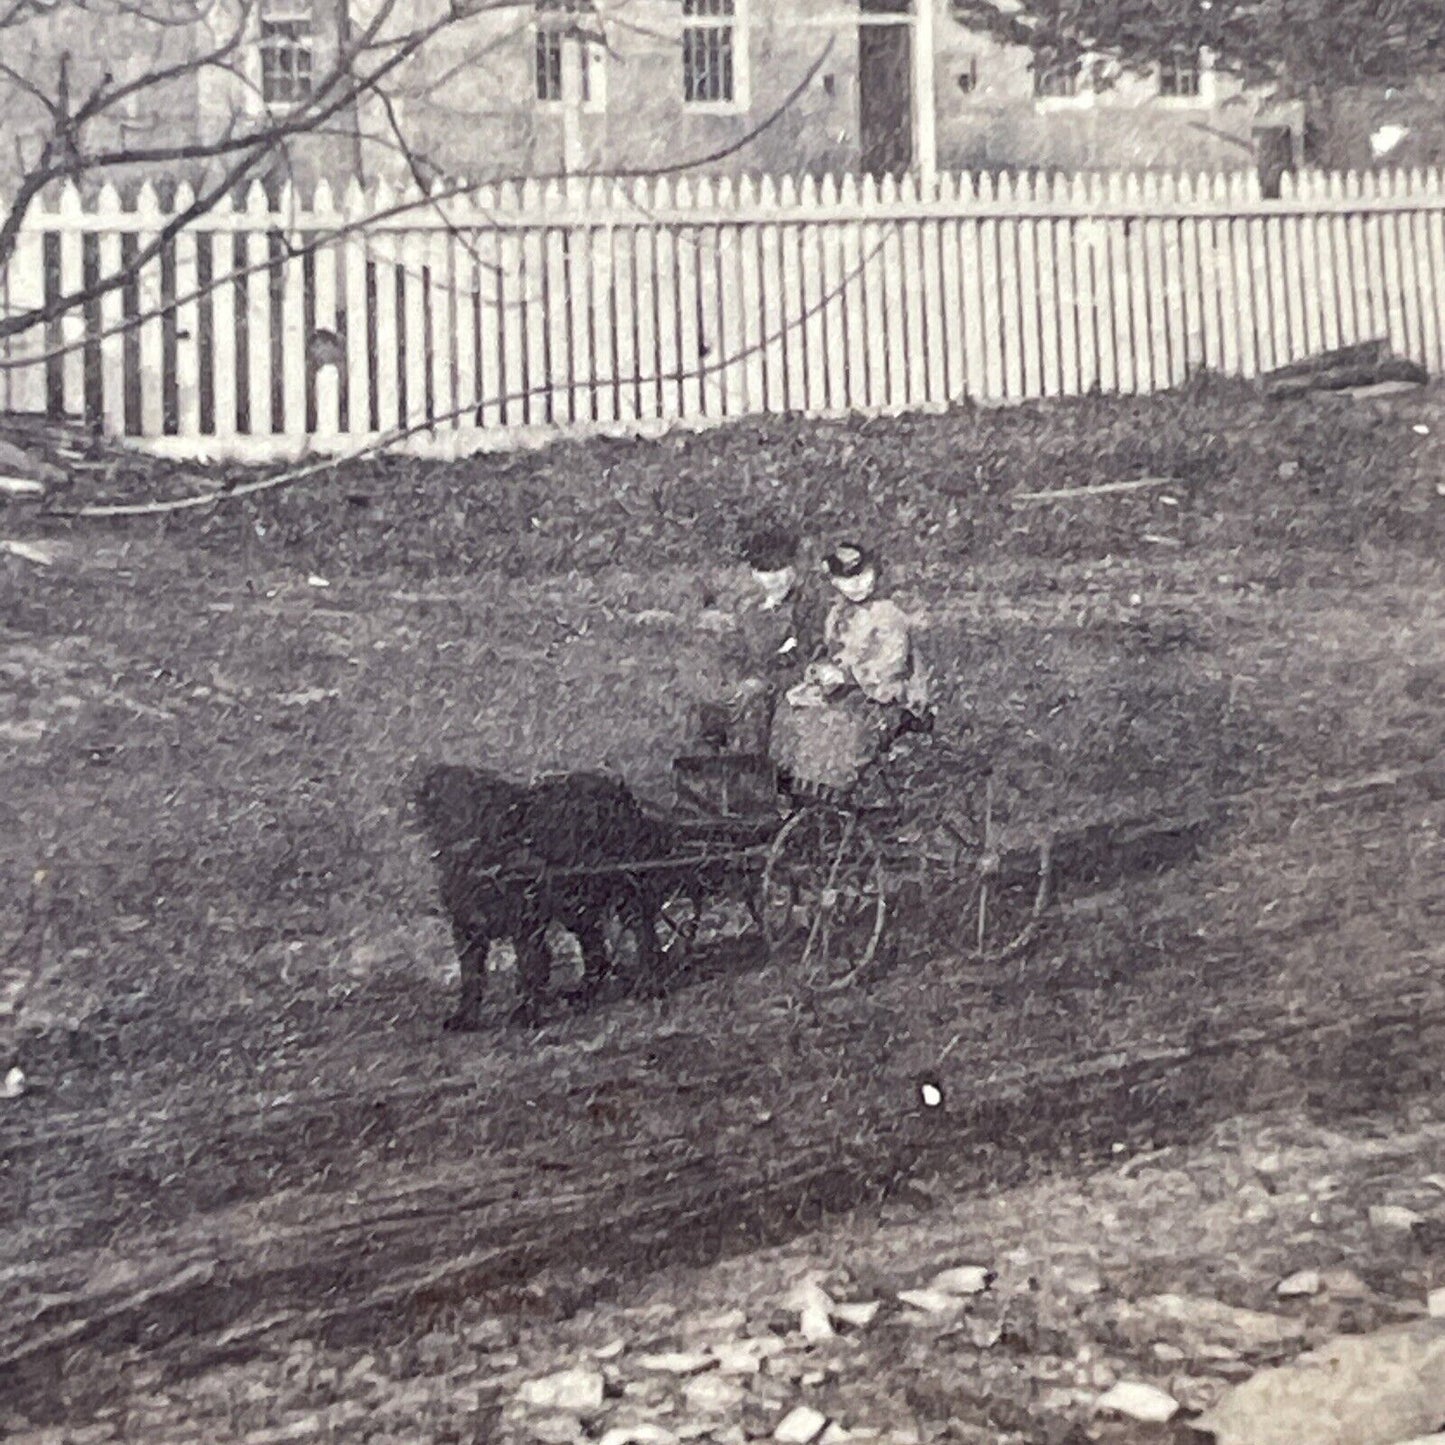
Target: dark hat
[[848, 559], [770, 548]]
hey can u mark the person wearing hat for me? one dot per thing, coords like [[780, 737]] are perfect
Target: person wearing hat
[[870, 684], [777, 630], [869, 639]]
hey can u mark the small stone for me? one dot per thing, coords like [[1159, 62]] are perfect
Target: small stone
[[857, 1314], [646, 1432], [814, 1324], [609, 1351], [1344, 1284], [835, 1434], [1393, 1216], [800, 1426], [677, 1362], [745, 1357], [1139, 1402], [556, 1430], [578, 1391], [713, 1392], [1303, 1282], [930, 1301], [1435, 1181], [1168, 1354], [1083, 1282], [14, 1085], [965, 1279], [1435, 1304]]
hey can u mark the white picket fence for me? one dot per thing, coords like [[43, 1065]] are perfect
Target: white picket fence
[[452, 322]]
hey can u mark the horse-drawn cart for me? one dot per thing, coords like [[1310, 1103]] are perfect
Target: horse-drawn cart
[[822, 872]]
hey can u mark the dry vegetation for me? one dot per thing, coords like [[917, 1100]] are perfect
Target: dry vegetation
[[224, 979]]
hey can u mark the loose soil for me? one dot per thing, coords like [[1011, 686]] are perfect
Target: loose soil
[[225, 975]]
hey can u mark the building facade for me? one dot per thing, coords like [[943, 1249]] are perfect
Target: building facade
[[638, 87]]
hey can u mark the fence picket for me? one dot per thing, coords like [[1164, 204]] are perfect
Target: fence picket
[[112, 317], [151, 378], [324, 360]]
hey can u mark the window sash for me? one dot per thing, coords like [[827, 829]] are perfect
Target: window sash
[[1179, 75], [286, 55], [709, 70]]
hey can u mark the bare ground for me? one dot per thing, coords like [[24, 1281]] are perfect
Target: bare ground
[[225, 979]]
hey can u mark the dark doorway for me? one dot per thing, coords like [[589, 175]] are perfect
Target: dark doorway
[[1274, 152], [885, 89]]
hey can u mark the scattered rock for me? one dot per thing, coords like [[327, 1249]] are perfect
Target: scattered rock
[[1139, 1402], [1199, 1321], [835, 1434], [815, 1307], [1435, 1303], [646, 1432], [800, 1426], [578, 1391], [14, 1085], [1393, 1216], [1302, 1282], [1370, 1389], [556, 1430], [745, 1357], [677, 1362], [930, 1301], [609, 1351], [1344, 1284], [964, 1279], [858, 1314], [717, 1394]]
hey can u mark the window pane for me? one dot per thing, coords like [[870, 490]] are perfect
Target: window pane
[[549, 65]]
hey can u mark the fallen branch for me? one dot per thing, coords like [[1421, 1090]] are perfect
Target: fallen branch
[[1064, 494]]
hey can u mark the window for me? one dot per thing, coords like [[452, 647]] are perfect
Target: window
[[287, 35], [1179, 74], [1054, 80], [558, 23], [709, 62]]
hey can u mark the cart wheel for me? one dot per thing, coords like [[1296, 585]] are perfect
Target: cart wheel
[[823, 897], [1006, 910], [677, 928]]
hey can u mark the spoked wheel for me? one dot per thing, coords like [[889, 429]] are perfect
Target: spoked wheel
[[1009, 897], [824, 899]]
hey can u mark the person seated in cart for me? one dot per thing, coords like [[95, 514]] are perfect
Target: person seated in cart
[[775, 632], [869, 688]]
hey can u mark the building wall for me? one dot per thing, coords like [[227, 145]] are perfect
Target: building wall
[[468, 104], [487, 122], [1001, 125]]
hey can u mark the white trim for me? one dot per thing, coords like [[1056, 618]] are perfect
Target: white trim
[[925, 97]]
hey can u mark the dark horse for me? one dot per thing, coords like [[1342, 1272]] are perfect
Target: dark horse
[[503, 850]]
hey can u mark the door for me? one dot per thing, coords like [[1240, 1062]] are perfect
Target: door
[[885, 90], [1274, 152]]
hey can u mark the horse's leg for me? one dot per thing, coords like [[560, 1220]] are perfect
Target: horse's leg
[[596, 962], [534, 968], [474, 944], [640, 906]]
